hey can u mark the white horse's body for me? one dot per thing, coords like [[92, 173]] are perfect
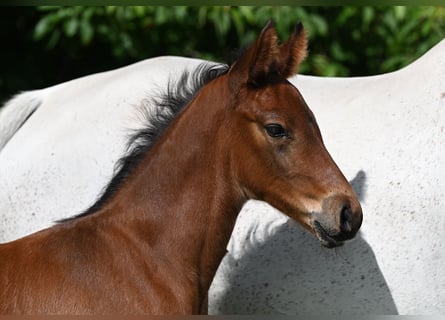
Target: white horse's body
[[64, 154], [385, 132]]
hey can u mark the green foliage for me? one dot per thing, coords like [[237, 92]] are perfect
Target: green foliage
[[67, 42], [370, 40]]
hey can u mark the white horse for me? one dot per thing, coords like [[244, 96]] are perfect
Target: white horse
[[385, 132]]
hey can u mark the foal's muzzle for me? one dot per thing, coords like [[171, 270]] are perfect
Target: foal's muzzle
[[338, 221]]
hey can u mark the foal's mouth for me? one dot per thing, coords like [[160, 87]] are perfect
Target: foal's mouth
[[324, 237]]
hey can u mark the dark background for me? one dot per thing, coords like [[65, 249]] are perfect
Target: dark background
[[42, 46]]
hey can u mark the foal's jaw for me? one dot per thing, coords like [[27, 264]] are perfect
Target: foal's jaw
[[324, 237], [331, 227], [338, 220]]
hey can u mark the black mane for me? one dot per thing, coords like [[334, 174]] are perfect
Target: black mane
[[167, 106]]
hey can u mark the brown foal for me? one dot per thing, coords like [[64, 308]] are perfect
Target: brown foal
[[152, 245]]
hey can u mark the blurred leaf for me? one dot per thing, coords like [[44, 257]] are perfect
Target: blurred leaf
[[400, 12], [320, 25], [43, 27], [86, 31], [368, 16], [54, 39], [71, 27]]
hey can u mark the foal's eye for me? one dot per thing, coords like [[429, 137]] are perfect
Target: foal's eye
[[275, 130]]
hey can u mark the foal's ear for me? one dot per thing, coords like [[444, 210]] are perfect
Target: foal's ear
[[266, 59], [258, 61], [292, 52]]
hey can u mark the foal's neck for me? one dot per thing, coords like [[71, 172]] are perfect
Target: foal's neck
[[184, 194]]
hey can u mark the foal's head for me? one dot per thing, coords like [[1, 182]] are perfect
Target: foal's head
[[276, 147]]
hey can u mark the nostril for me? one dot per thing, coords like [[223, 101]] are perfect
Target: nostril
[[346, 219]]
